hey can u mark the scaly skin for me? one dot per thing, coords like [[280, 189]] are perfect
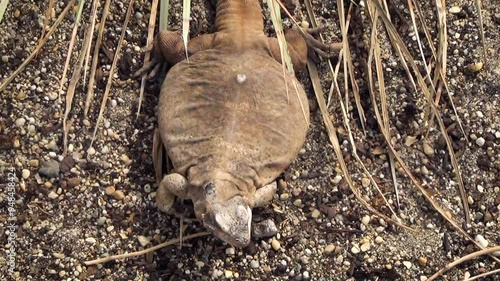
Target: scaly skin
[[231, 120]]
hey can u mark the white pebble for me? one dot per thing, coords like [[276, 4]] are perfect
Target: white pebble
[[407, 264], [483, 242], [25, 173], [480, 141], [480, 188], [479, 114], [254, 264], [90, 240], [365, 220], [228, 273], [337, 179], [91, 151], [20, 122], [143, 240], [230, 251], [355, 249], [53, 195]]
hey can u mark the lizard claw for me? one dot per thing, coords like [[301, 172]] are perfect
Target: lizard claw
[[154, 65], [322, 49]]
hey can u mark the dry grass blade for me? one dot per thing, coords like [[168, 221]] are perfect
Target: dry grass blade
[[463, 259], [112, 70], [45, 21], [3, 7], [38, 47], [274, 8], [442, 53], [316, 85], [286, 61], [375, 53], [406, 56], [71, 43], [164, 14], [483, 275], [348, 65], [91, 35], [148, 250], [313, 72], [481, 27], [186, 14], [95, 58], [151, 29], [71, 89], [430, 45]]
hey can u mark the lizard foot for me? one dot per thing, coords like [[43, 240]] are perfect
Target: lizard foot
[[168, 48], [322, 49], [265, 194]]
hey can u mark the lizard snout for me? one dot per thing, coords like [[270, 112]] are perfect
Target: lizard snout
[[230, 221]]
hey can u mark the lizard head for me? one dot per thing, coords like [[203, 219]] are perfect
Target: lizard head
[[227, 218]]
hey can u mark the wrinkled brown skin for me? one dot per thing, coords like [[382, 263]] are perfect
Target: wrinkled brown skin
[[231, 120]]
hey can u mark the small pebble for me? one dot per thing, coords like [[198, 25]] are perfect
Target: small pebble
[[230, 251], [355, 249], [254, 264], [365, 182], [53, 195], [337, 179], [422, 261], [407, 264], [91, 151], [315, 214], [284, 196], [109, 190], [379, 240], [143, 240], [365, 220], [90, 240], [266, 228], [428, 150], [101, 221], [480, 141], [455, 10], [34, 163], [275, 244], [329, 248], [365, 246], [474, 67], [228, 273], [25, 173], [297, 202], [118, 195], [20, 122], [483, 242]]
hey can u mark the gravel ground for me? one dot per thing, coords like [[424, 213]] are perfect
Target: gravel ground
[[98, 202]]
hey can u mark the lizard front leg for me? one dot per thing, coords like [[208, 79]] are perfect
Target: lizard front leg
[[299, 42], [171, 185]]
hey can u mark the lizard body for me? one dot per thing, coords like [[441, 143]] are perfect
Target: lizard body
[[231, 120]]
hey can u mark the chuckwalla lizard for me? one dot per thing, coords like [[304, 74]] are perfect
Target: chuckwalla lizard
[[230, 118]]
